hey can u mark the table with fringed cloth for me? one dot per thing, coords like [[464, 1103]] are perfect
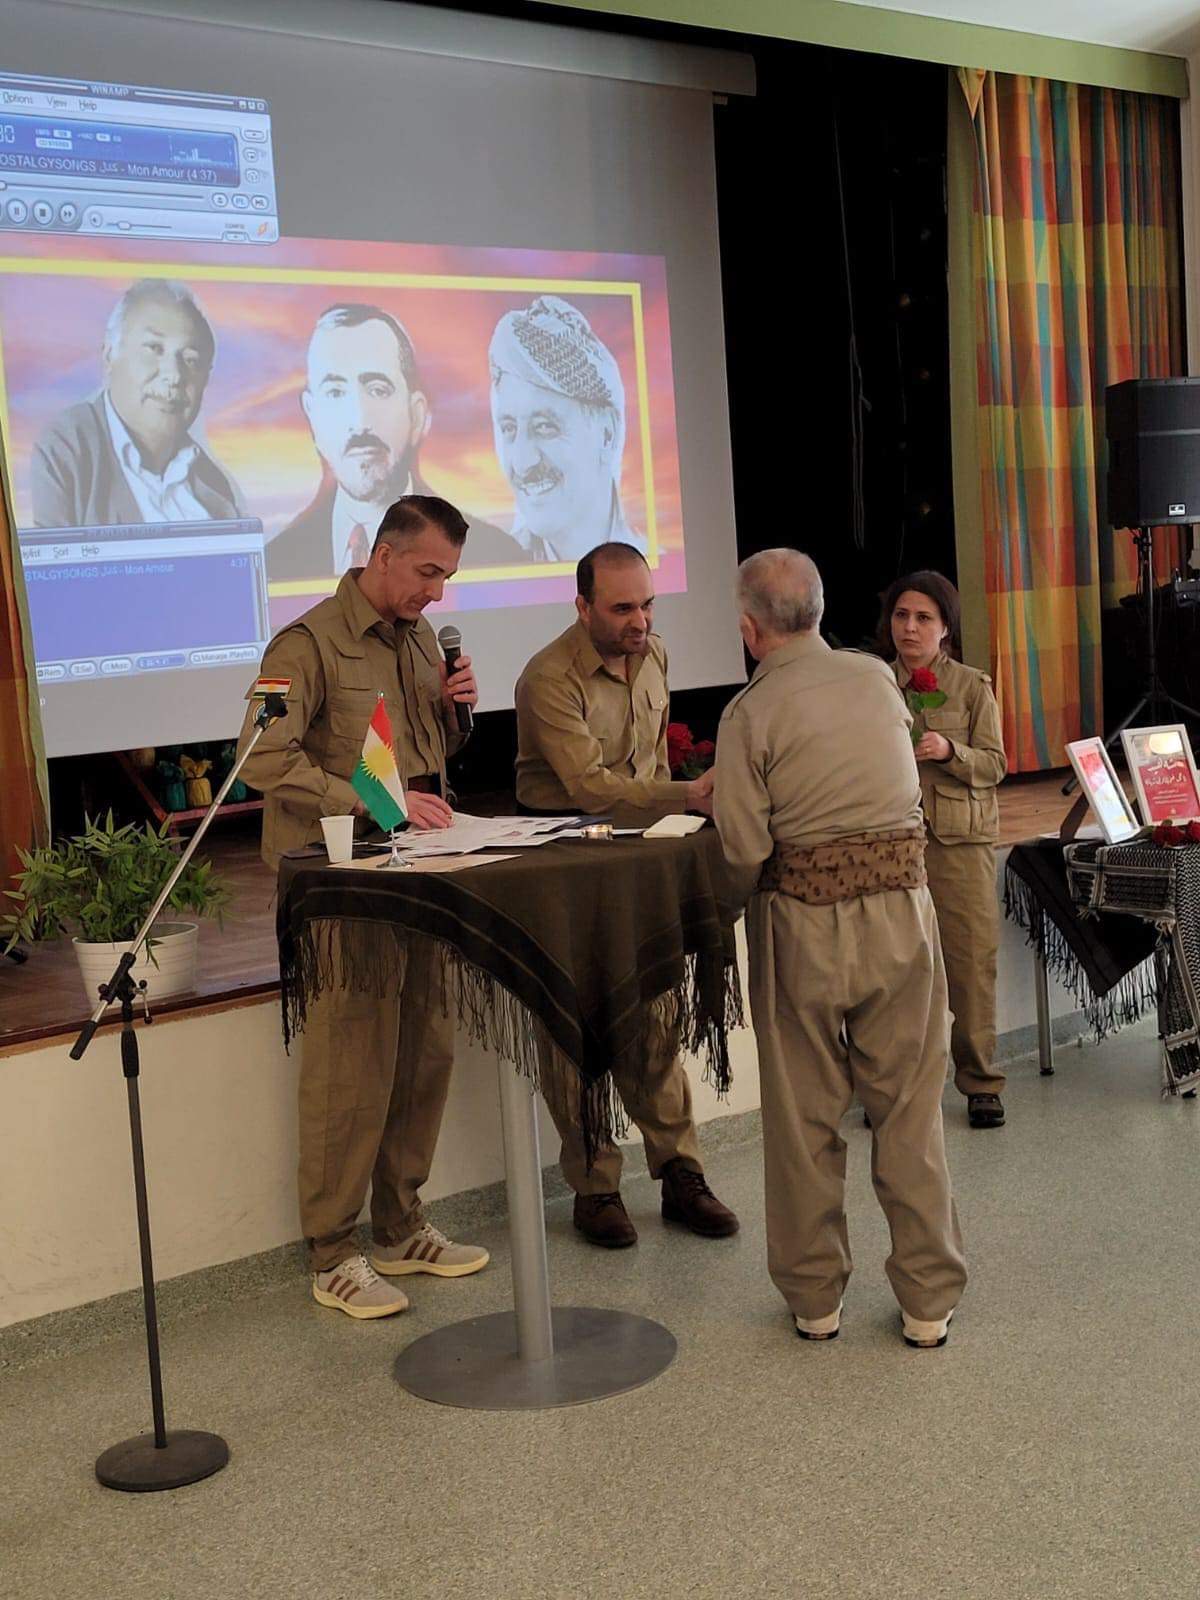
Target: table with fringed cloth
[[1119, 927]]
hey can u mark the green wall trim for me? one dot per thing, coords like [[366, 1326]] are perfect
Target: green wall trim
[[961, 161], [898, 33]]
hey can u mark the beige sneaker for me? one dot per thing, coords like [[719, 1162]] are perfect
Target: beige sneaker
[[353, 1287], [820, 1328], [920, 1335], [428, 1250]]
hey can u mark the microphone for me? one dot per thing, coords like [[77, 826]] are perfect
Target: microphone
[[451, 642], [274, 707]]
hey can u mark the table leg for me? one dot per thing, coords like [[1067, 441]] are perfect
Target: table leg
[[535, 1356], [526, 1216], [1041, 991]]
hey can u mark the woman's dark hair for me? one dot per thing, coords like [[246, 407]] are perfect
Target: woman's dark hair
[[944, 596]]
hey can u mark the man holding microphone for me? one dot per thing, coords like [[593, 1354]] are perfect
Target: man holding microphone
[[374, 1073]]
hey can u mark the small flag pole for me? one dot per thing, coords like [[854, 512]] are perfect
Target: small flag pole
[[396, 859]]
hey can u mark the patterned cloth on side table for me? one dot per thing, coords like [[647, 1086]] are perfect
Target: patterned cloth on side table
[[578, 938], [1101, 961], [1162, 887]]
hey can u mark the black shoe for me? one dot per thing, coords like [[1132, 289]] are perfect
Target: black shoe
[[985, 1111]]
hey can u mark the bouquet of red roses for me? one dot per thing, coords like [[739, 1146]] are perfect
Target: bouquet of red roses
[[1171, 833], [923, 694], [688, 757]]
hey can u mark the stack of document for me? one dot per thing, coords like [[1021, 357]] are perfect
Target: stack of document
[[467, 834]]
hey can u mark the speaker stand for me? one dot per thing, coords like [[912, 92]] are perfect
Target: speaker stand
[[1154, 697]]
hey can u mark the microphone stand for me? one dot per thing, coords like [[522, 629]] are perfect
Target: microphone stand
[[162, 1460]]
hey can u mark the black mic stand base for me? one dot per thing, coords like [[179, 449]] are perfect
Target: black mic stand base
[[141, 1465]]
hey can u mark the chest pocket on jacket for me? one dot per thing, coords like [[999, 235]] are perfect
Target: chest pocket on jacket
[[950, 721], [351, 699]]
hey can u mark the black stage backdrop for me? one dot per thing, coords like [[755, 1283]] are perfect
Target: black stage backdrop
[[831, 191]]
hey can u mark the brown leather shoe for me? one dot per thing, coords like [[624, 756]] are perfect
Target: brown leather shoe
[[687, 1198], [602, 1218]]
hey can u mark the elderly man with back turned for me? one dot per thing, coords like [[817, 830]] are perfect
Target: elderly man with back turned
[[592, 737], [818, 805]]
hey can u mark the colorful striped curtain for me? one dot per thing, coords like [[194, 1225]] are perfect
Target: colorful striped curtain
[[1076, 255], [23, 802]]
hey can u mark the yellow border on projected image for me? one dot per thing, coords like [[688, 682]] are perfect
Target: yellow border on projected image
[[22, 266]]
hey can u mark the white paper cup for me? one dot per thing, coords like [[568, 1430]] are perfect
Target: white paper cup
[[339, 837]]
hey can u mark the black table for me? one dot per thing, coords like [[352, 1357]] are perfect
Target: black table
[[571, 941]]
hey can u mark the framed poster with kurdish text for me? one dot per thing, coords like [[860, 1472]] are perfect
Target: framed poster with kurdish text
[[1163, 770]]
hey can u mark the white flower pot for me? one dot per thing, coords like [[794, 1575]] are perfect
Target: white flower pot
[[172, 972]]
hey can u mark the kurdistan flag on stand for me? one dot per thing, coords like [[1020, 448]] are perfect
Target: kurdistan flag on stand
[[376, 778]]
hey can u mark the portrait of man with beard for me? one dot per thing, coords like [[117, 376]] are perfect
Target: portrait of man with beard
[[126, 455], [558, 420], [369, 415]]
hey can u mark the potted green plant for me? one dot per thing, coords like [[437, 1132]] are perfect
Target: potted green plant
[[98, 887]]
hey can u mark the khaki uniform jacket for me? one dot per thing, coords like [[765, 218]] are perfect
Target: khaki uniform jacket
[[340, 657], [590, 741], [959, 794], [815, 748]]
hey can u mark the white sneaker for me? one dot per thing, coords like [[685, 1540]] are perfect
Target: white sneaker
[[925, 1335], [822, 1328], [428, 1250], [353, 1287]]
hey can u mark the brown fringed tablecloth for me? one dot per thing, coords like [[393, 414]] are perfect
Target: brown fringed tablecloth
[[580, 937]]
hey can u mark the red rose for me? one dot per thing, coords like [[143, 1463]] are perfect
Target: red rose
[[1167, 833], [924, 681], [1193, 832], [679, 744], [705, 750]]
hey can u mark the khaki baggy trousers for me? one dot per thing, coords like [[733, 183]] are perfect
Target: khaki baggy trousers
[[962, 881], [851, 998], [658, 1100], [373, 1081]]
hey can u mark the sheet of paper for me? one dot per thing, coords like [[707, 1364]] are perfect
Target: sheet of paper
[[422, 864]]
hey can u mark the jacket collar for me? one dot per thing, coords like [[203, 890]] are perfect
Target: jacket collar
[[362, 618], [590, 661], [797, 649]]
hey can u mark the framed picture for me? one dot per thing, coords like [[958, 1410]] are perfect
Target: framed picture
[[1164, 773], [1100, 784]]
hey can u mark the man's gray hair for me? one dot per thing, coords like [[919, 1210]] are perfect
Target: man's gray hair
[[155, 291], [781, 589]]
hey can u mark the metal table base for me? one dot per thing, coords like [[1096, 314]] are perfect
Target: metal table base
[[535, 1356]]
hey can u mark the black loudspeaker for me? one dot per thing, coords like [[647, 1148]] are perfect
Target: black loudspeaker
[[1153, 427]]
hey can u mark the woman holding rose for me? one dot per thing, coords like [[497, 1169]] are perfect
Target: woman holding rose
[[960, 758]]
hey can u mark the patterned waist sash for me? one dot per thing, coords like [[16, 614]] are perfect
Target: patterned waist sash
[[860, 864]]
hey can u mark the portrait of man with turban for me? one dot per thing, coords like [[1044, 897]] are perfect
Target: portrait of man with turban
[[558, 418]]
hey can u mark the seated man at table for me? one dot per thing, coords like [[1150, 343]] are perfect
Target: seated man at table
[[592, 736], [373, 1074], [818, 805]]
